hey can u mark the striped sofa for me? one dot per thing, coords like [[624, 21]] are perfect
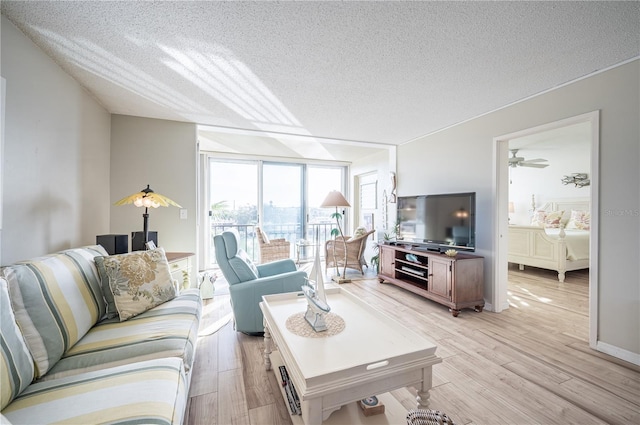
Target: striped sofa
[[63, 361]]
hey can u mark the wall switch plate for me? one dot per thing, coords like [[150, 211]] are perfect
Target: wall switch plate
[[183, 213]]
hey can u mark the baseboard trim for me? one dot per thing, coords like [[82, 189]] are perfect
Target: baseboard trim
[[489, 307], [618, 352]]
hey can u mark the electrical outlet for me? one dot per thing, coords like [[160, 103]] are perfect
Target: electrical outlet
[[183, 213]]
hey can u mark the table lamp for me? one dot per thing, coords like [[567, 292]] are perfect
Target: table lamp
[[147, 198]]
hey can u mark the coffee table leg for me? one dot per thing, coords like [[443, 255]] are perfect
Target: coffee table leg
[[423, 391], [267, 348], [312, 412]]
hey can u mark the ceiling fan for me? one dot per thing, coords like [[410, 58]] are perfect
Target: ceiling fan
[[519, 161]]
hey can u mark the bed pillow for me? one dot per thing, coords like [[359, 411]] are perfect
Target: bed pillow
[[580, 220], [538, 218], [547, 219], [139, 281]]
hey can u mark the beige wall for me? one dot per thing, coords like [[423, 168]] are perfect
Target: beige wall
[[461, 159], [162, 154], [56, 155], [67, 160]]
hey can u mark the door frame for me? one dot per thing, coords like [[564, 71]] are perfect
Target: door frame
[[501, 189]]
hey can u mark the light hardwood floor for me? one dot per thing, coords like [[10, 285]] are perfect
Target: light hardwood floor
[[530, 364]]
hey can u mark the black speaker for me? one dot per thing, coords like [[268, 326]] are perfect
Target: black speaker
[[137, 240], [114, 244]]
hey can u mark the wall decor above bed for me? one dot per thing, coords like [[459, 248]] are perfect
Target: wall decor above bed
[[578, 179]]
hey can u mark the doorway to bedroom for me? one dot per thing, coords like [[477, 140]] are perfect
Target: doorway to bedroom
[[549, 167]]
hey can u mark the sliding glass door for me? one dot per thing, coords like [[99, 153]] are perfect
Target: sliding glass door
[[321, 181], [233, 201], [283, 198], [282, 203]]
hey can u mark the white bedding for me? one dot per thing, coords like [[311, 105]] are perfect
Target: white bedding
[[577, 242]]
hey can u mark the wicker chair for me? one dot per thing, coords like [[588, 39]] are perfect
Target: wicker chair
[[274, 249], [355, 252], [428, 417]]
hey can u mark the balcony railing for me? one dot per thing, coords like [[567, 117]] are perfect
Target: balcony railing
[[316, 235]]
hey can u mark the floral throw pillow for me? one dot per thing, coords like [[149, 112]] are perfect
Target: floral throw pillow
[[538, 218], [553, 219], [139, 281], [548, 220], [579, 220]]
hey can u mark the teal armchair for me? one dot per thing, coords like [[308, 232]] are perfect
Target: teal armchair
[[249, 282]]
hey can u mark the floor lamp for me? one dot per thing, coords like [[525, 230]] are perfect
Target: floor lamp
[[147, 198], [335, 199]]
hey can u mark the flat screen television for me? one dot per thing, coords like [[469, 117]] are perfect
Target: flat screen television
[[438, 222]]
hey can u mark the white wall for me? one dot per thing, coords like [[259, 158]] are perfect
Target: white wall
[[461, 159], [56, 155], [161, 154], [564, 158]]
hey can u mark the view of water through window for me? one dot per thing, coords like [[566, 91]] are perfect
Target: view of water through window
[[282, 198]]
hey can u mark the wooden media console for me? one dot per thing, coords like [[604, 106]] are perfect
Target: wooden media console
[[457, 282]]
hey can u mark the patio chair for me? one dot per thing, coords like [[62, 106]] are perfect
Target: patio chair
[[248, 282], [334, 249], [274, 249]]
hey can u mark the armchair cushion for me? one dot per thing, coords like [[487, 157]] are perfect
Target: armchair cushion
[[243, 266], [276, 267], [235, 264]]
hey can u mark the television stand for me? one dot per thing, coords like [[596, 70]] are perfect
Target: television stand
[[457, 282]]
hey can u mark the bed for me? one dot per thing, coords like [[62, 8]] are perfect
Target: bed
[[561, 243]]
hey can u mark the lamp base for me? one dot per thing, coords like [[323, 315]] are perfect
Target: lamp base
[[339, 280]]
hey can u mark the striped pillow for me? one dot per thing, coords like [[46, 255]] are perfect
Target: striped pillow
[[16, 368], [55, 304]]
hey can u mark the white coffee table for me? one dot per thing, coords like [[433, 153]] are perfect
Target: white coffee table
[[373, 355]]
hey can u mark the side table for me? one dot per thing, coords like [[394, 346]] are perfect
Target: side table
[[180, 264]]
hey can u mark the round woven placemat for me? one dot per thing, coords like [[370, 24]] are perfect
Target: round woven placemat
[[298, 325]]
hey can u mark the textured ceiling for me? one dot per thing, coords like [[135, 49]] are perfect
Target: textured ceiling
[[381, 72]]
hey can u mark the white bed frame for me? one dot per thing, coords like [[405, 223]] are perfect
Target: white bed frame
[[531, 246]]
